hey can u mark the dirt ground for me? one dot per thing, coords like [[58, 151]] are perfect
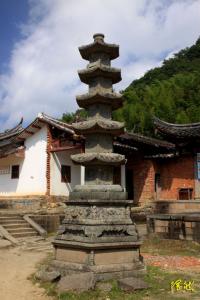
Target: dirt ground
[[18, 263], [16, 266]]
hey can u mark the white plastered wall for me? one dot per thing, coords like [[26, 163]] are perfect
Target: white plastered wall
[[32, 174], [59, 188]]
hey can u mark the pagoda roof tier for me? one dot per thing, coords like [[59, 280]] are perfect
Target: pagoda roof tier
[[114, 100], [177, 131], [100, 70], [98, 46], [99, 125], [98, 158]]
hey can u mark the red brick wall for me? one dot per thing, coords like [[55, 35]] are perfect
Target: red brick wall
[[175, 173], [49, 138], [143, 179]]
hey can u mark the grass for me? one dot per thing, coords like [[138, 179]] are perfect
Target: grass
[[159, 289], [157, 246], [159, 280]]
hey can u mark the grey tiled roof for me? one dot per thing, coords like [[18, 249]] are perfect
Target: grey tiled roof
[[177, 131]]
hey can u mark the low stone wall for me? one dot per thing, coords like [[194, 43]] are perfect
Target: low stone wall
[[50, 222], [180, 206], [32, 203], [175, 226]]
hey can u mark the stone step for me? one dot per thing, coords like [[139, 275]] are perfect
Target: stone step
[[16, 225], [24, 234], [10, 217], [13, 221], [21, 230]]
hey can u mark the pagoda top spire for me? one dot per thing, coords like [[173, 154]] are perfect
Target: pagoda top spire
[[98, 37], [99, 46]]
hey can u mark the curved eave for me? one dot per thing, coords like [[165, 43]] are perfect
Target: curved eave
[[98, 158], [12, 132], [141, 140], [179, 131], [113, 99], [110, 49], [55, 122], [89, 74]]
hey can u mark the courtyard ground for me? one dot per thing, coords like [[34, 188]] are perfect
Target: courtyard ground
[[166, 261], [16, 266]]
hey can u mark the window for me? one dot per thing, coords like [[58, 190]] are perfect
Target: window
[[65, 173], [15, 172], [4, 170]]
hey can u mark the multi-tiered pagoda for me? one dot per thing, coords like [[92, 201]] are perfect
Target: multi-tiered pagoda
[[97, 233]]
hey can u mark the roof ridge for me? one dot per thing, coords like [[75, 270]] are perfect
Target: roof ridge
[[157, 120], [43, 116], [159, 142]]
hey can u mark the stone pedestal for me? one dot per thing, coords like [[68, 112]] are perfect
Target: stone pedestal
[[97, 233]]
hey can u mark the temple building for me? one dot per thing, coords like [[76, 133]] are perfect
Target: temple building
[[156, 170], [166, 171], [35, 161]]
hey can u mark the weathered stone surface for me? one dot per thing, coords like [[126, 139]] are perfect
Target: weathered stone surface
[[77, 282], [46, 276], [89, 213], [4, 243], [98, 195], [104, 286], [132, 283], [97, 221]]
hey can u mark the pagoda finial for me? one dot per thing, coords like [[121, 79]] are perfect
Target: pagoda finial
[[98, 37]]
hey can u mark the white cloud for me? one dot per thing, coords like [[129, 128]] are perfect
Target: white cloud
[[43, 66]]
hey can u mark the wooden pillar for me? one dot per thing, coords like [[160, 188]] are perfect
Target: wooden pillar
[[123, 177], [82, 179]]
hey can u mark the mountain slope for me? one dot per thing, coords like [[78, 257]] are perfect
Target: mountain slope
[[171, 92]]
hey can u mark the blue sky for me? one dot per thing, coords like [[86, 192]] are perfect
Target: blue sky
[[39, 42], [12, 14]]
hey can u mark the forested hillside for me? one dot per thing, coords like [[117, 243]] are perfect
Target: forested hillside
[[171, 92]]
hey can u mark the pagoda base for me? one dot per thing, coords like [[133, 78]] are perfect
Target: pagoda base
[[116, 261]]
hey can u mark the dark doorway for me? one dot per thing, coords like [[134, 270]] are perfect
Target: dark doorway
[[129, 183], [117, 175], [157, 186]]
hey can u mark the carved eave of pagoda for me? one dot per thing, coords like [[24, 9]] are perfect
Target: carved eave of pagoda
[[177, 131], [95, 125], [114, 100], [100, 158], [112, 50], [100, 70]]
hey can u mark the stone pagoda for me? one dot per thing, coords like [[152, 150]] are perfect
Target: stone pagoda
[[97, 233]]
